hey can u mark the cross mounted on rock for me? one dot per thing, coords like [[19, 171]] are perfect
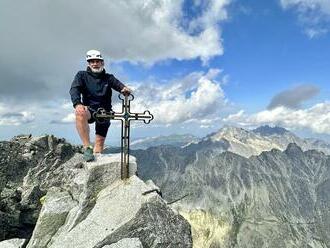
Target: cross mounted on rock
[[125, 117]]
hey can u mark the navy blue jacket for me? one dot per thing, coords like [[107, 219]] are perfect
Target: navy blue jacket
[[94, 89]]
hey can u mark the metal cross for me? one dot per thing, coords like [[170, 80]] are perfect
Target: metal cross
[[125, 117]]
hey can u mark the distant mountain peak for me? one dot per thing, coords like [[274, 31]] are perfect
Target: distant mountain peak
[[264, 138], [267, 130], [293, 149], [226, 131]]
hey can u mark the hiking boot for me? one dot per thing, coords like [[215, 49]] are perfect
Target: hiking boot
[[88, 154]]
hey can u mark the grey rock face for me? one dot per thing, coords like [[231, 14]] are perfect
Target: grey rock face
[[76, 189], [53, 215], [98, 209], [13, 243], [19, 193], [276, 199], [155, 226], [126, 243]]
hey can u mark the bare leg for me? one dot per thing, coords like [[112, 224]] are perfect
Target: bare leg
[[99, 143], [83, 127]]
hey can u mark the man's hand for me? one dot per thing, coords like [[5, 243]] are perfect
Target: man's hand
[[126, 91], [80, 109]]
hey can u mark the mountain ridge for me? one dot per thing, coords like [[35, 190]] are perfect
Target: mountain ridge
[[274, 192], [244, 142]]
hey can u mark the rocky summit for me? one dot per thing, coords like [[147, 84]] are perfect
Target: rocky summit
[[50, 197]]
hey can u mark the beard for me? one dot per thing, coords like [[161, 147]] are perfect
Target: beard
[[99, 70]]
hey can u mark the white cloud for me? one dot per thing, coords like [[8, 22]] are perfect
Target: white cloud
[[315, 118], [237, 118], [214, 12], [125, 30], [2, 108], [304, 5], [70, 118], [196, 96], [314, 15], [41, 114], [16, 118], [67, 105], [201, 102]]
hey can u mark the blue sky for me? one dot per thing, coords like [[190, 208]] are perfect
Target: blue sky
[[200, 64], [265, 52]]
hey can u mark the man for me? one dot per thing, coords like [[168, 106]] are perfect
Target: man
[[90, 90]]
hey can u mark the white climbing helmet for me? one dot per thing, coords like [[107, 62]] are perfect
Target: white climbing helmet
[[93, 54]]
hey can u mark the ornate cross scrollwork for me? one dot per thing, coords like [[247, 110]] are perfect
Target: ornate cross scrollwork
[[125, 117]]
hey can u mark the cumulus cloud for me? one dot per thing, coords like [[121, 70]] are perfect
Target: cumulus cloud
[[214, 11], [35, 113], [305, 5], [12, 116], [314, 15], [197, 96], [293, 98], [69, 118], [315, 118], [44, 41], [16, 118]]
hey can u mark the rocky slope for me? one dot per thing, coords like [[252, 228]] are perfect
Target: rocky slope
[[19, 199], [48, 191], [276, 199]]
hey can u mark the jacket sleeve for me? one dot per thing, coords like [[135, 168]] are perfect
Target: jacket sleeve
[[76, 89], [116, 84]]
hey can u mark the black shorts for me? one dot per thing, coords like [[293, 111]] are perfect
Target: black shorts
[[101, 128]]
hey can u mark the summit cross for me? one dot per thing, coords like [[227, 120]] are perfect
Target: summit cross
[[125, 117]]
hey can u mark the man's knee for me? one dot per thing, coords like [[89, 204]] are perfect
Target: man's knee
[[85, 116]]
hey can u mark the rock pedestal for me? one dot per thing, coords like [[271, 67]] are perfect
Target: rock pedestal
[[94, 208]]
